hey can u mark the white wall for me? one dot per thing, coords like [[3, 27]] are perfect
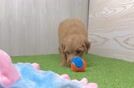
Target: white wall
[[29, 27], [111, 28]]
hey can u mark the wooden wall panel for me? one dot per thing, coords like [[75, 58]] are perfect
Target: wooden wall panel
[[111, 28]]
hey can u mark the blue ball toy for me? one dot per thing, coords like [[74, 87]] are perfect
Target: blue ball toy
[[78, 64]]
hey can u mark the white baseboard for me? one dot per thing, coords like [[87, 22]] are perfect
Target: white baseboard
[[123, 55]]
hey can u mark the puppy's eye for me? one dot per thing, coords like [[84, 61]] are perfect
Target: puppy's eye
[[78, 51]]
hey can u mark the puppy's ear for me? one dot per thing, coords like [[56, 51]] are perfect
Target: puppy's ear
[[87, 45], [62, 48]]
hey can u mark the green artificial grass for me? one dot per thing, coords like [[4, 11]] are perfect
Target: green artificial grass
[[106, 72]]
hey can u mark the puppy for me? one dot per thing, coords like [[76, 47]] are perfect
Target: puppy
[[73, 40]]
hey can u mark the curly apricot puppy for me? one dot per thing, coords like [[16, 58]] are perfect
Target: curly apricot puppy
[[73, 40]]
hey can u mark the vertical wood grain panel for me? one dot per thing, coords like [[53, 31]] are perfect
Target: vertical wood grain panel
[[111, 28], [29, 27]]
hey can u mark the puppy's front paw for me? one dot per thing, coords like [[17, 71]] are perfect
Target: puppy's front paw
[[63, 64]]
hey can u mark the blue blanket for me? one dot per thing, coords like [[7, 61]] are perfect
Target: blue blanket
[[33, 78]]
